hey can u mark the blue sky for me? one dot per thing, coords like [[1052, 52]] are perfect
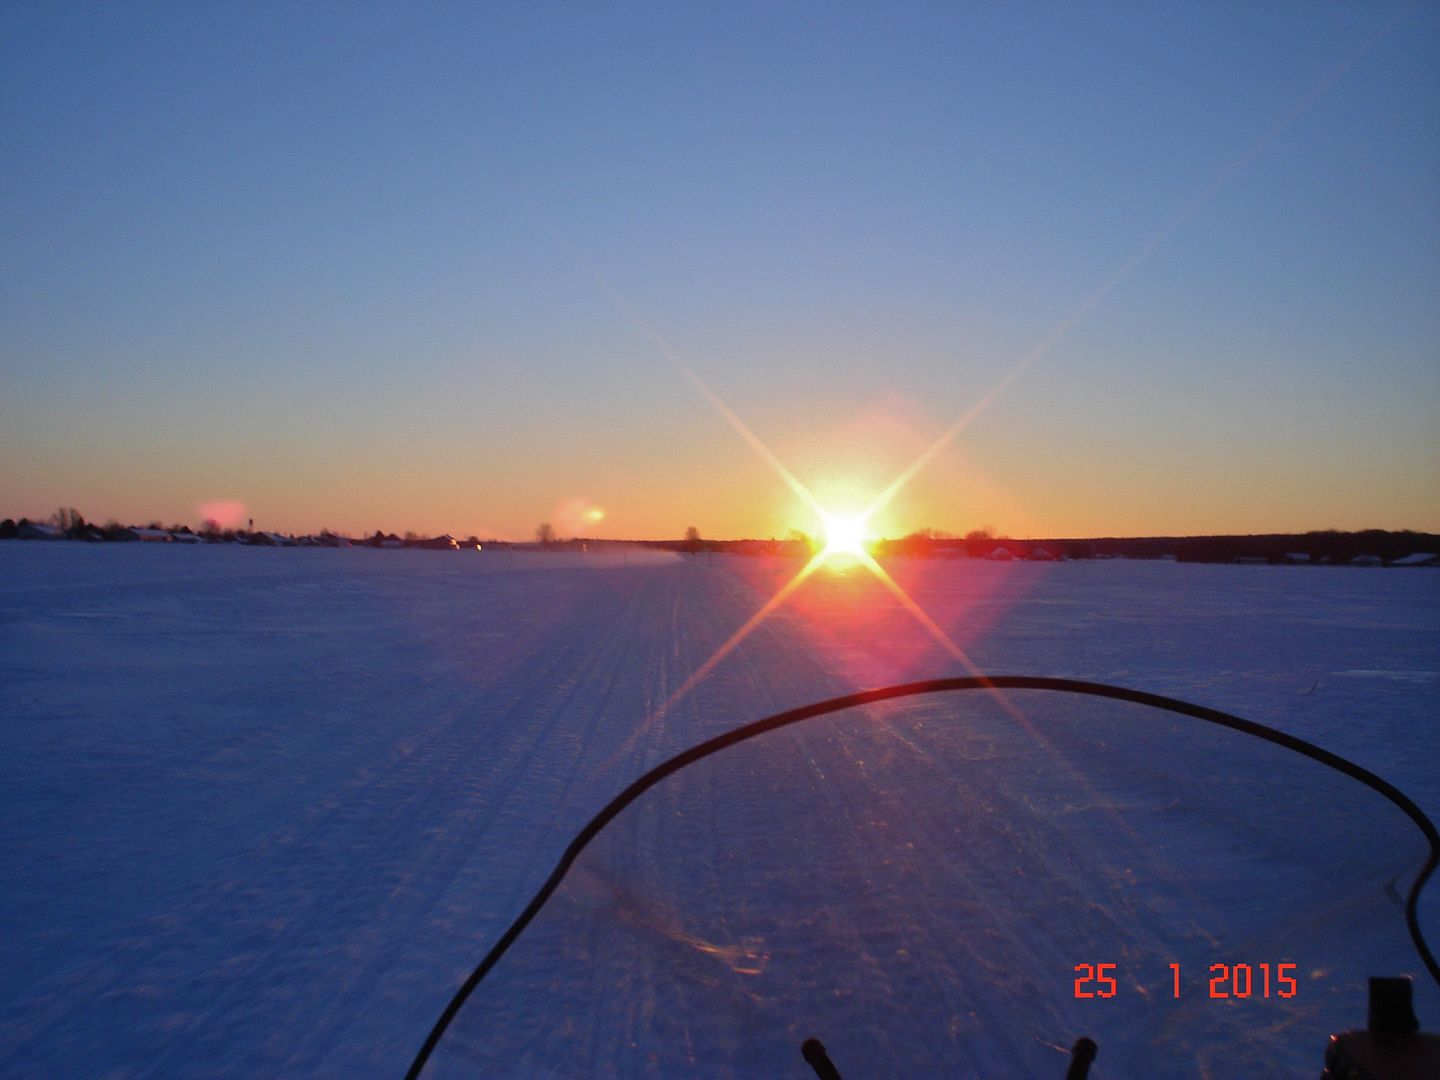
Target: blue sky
[[386, 266]]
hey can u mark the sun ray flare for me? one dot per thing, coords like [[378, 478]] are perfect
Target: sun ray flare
[[724, 650], [764, 612]]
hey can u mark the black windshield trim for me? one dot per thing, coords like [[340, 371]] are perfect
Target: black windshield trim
[[936, 686]]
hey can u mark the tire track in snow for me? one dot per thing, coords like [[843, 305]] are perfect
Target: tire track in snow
[[295, 859], [498, 799]]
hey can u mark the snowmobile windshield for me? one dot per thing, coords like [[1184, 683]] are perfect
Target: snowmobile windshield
[[961, 884]]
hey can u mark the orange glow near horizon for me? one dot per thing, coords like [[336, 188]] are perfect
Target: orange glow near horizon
[[846, 535], [846, 542]]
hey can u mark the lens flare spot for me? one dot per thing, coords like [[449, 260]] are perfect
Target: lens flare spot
[[576, 516], [226, 513]]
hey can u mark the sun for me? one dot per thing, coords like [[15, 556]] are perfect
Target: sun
[[845, 534]]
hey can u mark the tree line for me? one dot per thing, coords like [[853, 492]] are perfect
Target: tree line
[[1317, 546]]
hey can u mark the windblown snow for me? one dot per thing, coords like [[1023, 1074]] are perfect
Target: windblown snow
[[264, 810]]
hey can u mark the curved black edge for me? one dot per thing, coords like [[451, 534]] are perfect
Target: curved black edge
[[936, 686]]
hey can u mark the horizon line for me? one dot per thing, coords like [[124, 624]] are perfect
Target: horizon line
[[796, 536]]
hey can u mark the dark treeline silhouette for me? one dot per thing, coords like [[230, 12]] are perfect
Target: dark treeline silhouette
[[1321, 547], [1325, 547], [1374, 547]]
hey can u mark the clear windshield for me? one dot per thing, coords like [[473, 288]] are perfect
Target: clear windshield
[[961, 885]]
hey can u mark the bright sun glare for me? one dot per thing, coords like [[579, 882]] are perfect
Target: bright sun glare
[[845, 534]]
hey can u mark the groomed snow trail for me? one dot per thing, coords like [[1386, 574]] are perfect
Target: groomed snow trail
[[264, 809]]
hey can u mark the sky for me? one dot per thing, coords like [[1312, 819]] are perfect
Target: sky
[[1100, 268]]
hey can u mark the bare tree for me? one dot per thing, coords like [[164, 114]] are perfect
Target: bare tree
[[545, 534], [692, 539], [68, 519]]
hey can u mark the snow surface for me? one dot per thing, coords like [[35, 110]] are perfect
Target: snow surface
[[264, 809]]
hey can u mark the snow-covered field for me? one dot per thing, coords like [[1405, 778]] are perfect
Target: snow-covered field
[[263, 810]]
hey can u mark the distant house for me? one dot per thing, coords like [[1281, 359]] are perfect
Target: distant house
[[149, 536], [1297, 557], [31, 530], [183, 537], [1367, 560], [1001, 554], [1418, 559], [270, 539], [437, 543]]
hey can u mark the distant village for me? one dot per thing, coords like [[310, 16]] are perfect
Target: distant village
[[68, 525], [1328, 547]]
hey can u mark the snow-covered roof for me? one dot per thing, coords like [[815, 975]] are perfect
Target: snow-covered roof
[[1420, 558], [32, 530]]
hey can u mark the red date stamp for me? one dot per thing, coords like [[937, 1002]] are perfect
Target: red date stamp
[[1224, 980]]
